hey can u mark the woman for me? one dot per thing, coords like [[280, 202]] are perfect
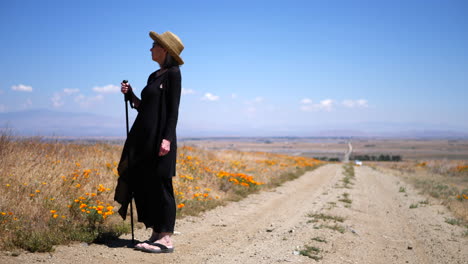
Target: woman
[[148, 160]]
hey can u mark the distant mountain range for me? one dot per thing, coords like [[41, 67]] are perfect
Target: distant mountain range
[[54, 123], [43, 122]]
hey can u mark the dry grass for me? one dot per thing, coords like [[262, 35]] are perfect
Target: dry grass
[[55, 192], [444, 180]]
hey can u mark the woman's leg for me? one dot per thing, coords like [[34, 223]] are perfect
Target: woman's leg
[[154, 236], [166, 215]]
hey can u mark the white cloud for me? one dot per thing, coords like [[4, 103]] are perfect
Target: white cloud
[[187, 91], [79, 98], [307, 108], [71, 91], [22, 88], [255, 101], [106, 89], [362, 103], [307, 105], [27, 104], [326, 104], [258, 100], [233, 96], [57, 100], [355, 103], [2, 108], [210, 97], [85, 101]]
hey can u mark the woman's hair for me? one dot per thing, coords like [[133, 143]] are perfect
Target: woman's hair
[[169, 62]]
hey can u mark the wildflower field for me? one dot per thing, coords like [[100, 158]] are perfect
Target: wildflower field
[[55, 192]]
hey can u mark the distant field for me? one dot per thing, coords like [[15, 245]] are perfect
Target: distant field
[[409, 149]]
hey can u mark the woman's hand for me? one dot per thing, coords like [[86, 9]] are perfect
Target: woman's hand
[[125, 87], [165, 147]]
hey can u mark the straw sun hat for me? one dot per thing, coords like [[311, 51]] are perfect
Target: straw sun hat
[[170, 42]]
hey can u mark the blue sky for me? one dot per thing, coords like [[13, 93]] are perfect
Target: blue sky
[[251, 67]]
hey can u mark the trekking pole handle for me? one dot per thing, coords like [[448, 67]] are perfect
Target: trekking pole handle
[[128, 96]]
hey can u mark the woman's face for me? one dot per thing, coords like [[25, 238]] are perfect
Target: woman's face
[[158, 53]]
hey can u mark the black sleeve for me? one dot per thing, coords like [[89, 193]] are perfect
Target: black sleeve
[[173, 92]]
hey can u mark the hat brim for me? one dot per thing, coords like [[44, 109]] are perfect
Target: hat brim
[[156, 37]]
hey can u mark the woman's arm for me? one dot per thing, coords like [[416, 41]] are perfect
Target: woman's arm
[[173, 100], [127, 88], [135, 100]]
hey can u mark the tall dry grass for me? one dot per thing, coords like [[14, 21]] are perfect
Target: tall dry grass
[[54, 192]]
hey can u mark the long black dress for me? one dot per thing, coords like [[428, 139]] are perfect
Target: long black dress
[[142, 171]]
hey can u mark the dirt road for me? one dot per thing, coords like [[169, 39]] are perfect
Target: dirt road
[[272, 227]]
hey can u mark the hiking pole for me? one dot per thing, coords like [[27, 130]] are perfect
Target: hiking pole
[[128, 97]]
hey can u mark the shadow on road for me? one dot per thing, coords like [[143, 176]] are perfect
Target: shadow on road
[[118, 243]]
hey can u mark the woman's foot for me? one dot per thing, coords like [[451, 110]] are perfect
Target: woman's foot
[[165, 242], [154, 237]]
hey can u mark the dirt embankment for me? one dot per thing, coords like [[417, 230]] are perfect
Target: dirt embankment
[[371, 222]]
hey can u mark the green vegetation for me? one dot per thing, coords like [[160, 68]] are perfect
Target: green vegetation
[[381, 157], [453, 221], [325, 217], [319, 239], [311, 252], [346, 199], [335, 227], [348, 175]]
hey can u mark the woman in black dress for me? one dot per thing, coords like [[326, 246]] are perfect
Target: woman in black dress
[[148, 161]]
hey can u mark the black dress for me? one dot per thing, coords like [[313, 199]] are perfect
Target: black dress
[[142, 171]]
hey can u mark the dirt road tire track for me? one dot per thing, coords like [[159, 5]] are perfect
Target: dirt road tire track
[[270, 226]]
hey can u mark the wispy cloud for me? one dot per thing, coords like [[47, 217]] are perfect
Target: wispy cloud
[[308, 105], [255, 101], [326, 104], [71, 91], [210, 97], [56, 100], [27, 104], [86, 101], [253, 105], [187, 91], [258, 100], [233, 96], [2, 108], [22, 88], [362, 103], [106, 89]]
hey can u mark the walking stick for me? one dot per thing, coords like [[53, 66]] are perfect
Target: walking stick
[[128, 97]]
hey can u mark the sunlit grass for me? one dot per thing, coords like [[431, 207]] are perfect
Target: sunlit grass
[[55, 192]]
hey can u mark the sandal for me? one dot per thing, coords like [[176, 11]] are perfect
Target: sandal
[[161, 248], [141, 245]]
